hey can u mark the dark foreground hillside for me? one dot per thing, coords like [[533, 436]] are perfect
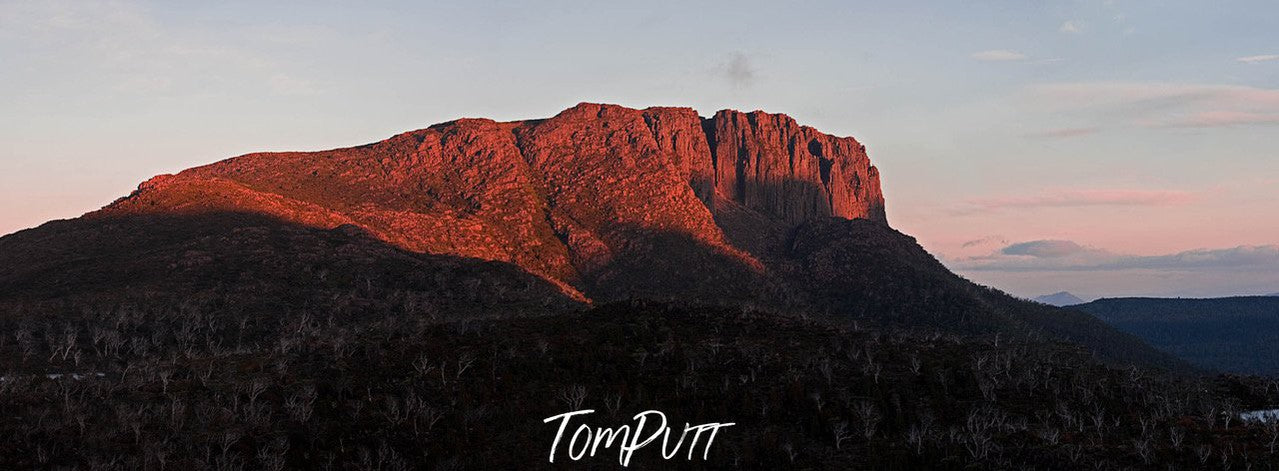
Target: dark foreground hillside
[[1238, 334], [135, 386], [237, 341]]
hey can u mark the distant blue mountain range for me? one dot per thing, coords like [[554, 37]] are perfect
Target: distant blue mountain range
[[1236, 334], [1060, 298]]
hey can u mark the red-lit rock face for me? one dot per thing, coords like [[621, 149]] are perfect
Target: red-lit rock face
[[573, 199], [771, 164]]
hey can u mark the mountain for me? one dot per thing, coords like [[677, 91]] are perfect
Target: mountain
[[427, 300], [1236, 334], [1060, 298], [601, 200], [599, 203]]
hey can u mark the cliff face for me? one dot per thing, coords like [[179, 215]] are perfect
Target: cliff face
[[602, 200], [771, 164]]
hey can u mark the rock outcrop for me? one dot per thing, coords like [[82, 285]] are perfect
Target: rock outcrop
[[602, 200], [771, 164]]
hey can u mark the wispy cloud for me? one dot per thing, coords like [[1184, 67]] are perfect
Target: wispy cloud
[[1089, 94], [1062, 133], [998, 55], [1065, 255], [1043, 248], [1209, 119], [1258, 59], [1157, 104], [1077, 198], [131, 50], [1070, 27], [988, 240]]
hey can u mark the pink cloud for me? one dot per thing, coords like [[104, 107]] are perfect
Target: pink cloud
[[1225, 118], [1091, 94], [1065, 255], [998, 55], [1065, 133], [1156, 104], [985, 241], [1080, 198]]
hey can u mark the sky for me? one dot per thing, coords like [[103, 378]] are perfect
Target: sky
[[1107, 148]]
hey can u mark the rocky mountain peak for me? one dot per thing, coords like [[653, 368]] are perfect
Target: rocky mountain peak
[[572, 198]]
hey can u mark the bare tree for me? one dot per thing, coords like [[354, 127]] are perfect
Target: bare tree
[[1143, 449], [423, 365], [915, 437], [300, 404], [869, 416], [573, 396], [613, 403], [464, 362], [1049, 434], [1176, 436], [826, 370], [839, 431], [1272, 430], [1204, 452]]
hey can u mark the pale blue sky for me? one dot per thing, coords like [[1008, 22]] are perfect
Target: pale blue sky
[[1141, 132]]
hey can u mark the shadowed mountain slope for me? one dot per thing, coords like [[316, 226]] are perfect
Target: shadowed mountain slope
[[866, 270], [255, 265]]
